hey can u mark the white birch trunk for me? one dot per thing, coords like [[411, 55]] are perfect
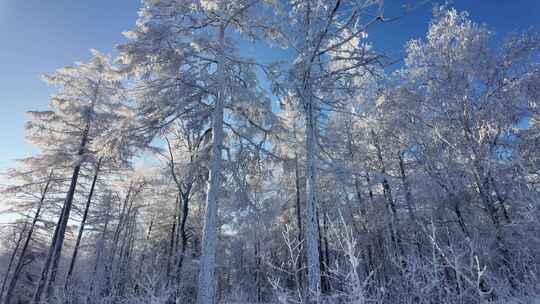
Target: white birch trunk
[[206, 288]]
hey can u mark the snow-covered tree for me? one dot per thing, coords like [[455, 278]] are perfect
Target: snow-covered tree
[[82, 109], [189, 68], [188, 172], [328, 37]]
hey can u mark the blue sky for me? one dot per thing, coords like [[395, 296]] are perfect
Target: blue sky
[[39, 36]]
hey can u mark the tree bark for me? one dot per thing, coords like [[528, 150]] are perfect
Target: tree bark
[[184, 192], [299, 273], [20, 262], [298, 207], [12, 259], [83, 222], [172, 241], [312, 231], [58, 239], [206, 289], [124, 215], [183, 235], [396, 239], [45, 270], [406, 188], [99, 252], [65, 218]]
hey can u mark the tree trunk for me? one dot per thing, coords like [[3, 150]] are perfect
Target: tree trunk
[[258, 270], [500, 198], [396, 239], [370, 191], [179, 229], [171, 260], [298, 207], [324, 254], [406, 188], [58, 239], [124, 214], [481, 176], [99, 252], [145, 248], [12, 259], [62, 231], [312, 231], [484, 192], [45, 271], [183, 235], [20, 262], [206, 289], [299, 273], [83, 222], [123, 274]]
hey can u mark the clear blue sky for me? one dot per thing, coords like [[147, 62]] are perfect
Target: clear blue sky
[[39, 36]]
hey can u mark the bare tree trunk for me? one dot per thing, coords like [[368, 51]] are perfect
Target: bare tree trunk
[[325, 256], [145, 249], [206, 289], [370, 191], [361, 204], [124, 214], [58, 240], [406, 188], [410, 203], [484, 192], [184, 192], [312, 231], [172, 241], [396, 239], [123, 270], [299, 274], [183, 234], [128, 256], [126, 253], [298, 207], [83, 222], [500, 198], [62, 231], [45, 271], [20, 262], [461, 221], [258, 270], [12, 259], [481, 176], [457, 210], [322, 262], [99, 251]]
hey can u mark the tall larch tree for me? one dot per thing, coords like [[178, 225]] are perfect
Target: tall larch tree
[[185, 56], [79, 113]]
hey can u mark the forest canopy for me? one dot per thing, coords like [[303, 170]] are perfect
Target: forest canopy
[[181, 170]]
